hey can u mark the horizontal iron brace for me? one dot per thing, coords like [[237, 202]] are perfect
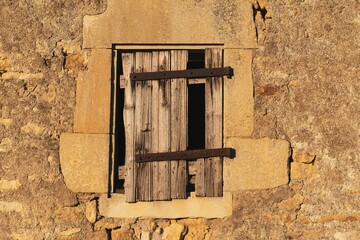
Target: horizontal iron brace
[[185, 155], [191, 73]]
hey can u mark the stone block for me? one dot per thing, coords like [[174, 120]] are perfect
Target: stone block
[[64, 215], [291, 203], [6, 122], [302, 157], [215, 207], [259, 164], [92, 112], [70, 231], [84, 160], [238, 94], [121, 234], [99, 235], [175, 231], [301, 171], [196, 229], [21, 236], [229, 22], [22, 76], [90, 213], [10, 206], [9, 184], [33, 128], [5, 145]]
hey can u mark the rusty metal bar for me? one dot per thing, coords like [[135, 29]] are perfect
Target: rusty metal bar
[[191, 73], [185, 155]]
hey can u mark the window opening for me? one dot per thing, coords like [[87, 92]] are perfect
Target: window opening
[[119, 151], [197, 91]]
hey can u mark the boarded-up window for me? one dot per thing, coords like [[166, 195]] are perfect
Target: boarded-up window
[[156, 121]]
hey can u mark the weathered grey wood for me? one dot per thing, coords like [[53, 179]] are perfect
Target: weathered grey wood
[[213, 124], [192, 171], [196, 81], [155, 127], [210, 176], [143, 127], [178, 124], [129, 123], [164, 191], [200, 178]]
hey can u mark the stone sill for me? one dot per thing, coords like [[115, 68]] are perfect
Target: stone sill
[[192, 207]]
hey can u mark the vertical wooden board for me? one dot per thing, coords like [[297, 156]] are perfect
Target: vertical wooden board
[[164, 127], [143, 127], [178, 124], [213, 167], [156, 180], [200, 178], [129, 124]]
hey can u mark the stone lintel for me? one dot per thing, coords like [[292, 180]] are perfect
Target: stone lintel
[[259, 164], [93, 91], [84, 160], [168, 21], [193, 207]]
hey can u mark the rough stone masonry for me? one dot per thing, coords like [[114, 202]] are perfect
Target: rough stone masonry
[[305, 72]]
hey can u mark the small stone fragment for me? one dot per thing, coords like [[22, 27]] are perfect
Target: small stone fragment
[[50, 95], [10, 207], [5, 145], [22, 76], [196, 229], [91, 211], [99, 235], [33, 128], [6, 122], [68, 214], [121, 234], [303, 171], [302, 157], [293, 203], [21, 236], [69, 232], [175, 231], [351, 235], [145, 235], [9, 184], [74, 61]]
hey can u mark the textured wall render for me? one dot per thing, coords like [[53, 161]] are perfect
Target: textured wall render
[[306, 85]]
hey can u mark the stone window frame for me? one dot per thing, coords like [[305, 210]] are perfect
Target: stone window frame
[[85, 154]]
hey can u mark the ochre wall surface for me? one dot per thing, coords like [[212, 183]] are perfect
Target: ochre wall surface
[[303, 59]]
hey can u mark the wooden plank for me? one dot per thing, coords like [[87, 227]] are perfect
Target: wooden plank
[[129, 123], [192, 170], [196, 81], [156, 180], [200, 178], [178, 124], [163, 186], [213, 124], [209, 179], [142, 127]]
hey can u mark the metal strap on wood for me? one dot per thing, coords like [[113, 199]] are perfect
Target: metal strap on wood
[[185, 155], [191, 73]]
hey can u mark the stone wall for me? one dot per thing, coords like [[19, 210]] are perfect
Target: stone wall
[[305, 73]]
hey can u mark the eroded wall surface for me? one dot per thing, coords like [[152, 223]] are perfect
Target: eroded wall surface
[[306, 80]]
